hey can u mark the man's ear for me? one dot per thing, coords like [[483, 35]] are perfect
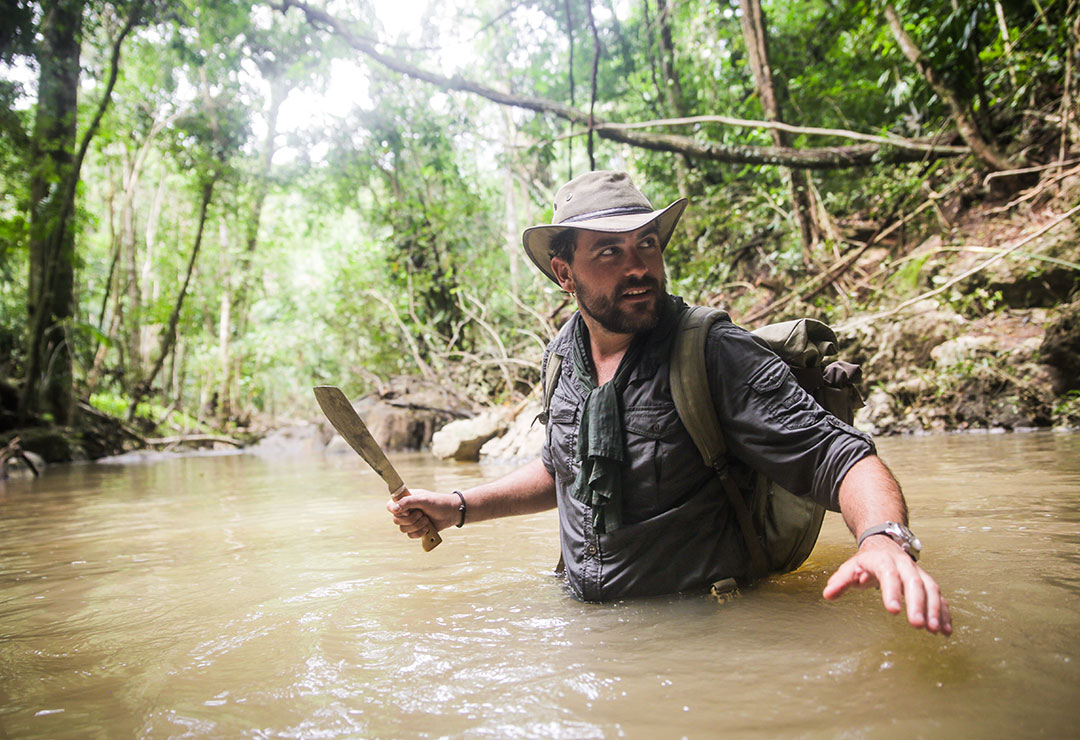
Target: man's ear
[[561, 268]]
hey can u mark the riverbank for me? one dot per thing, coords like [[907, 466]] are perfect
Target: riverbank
[[972, 322]]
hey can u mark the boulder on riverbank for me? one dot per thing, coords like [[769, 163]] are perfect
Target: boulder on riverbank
[[402, 415], [992, 374], [523, 438], [462, 439]]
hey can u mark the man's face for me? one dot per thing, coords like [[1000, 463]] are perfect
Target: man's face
[[618, 278]]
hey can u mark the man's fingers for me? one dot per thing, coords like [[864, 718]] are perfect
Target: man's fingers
[[934, 606], [915, 596], [891, 590], [902, 583], [414, 514], [938, 617], [848, 575], [410, 521]]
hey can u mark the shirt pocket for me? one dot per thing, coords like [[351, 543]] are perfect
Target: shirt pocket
[[562, 440], [778, 398], [650, 431]]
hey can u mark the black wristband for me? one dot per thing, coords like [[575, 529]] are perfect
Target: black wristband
[[461, 508]]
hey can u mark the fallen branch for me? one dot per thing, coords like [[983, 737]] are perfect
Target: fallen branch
[[181, 439], [423, 407], [1032, 192], [865, 320], [894, 141], [425, 369], [812, 158], [503, 358], [1027, 170]]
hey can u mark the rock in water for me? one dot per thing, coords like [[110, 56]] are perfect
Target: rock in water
[[462, 439]]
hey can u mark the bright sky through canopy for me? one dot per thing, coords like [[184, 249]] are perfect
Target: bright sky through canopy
[[399, 23]]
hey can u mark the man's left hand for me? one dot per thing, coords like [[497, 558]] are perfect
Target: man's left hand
[[880, 562]]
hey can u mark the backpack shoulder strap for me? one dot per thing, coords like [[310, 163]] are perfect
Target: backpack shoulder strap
[[551, 379], [551, 368], [694, 405], [690, 382]]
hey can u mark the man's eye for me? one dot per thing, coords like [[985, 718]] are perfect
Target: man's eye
[[650, 243], [607, 252]]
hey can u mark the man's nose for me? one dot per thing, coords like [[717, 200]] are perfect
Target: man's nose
[[634, 263]]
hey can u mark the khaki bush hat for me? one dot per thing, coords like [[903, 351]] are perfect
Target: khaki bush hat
[[598, 201]]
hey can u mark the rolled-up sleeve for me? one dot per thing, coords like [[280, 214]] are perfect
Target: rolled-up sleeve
[[772, 424]]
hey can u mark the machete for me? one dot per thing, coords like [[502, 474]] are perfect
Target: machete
[[353, 430]]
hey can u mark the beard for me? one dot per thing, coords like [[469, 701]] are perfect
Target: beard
[[633, 319]]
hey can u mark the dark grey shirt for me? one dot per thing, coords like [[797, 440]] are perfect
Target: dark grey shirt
[[678, 533]]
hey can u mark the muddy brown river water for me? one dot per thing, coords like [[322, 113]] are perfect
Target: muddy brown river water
[[235, 596]]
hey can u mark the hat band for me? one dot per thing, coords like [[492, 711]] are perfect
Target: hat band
[[620, 211]]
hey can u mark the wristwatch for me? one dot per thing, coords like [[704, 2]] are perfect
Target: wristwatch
[[899, 534]]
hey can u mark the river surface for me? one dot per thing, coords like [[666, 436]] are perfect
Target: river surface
[[236, 596]]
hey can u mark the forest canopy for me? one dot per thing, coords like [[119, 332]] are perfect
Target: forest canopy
[[208, 207]]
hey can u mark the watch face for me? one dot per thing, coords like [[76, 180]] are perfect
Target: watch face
[[905, 538]]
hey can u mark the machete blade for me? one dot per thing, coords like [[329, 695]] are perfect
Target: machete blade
[[351, 427]]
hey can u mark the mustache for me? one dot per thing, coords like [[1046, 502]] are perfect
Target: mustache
[[641, 282]]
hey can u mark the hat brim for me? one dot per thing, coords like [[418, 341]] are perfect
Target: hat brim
[[537, 239]]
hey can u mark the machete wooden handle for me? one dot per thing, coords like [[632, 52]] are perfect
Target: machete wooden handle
[[431, 538]]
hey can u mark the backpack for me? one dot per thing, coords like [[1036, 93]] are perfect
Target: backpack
[[779, 528]]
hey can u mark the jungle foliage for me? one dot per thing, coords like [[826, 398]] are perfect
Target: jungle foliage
[[208, 207]]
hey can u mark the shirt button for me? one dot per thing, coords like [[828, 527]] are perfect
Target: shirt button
[[591, 549]]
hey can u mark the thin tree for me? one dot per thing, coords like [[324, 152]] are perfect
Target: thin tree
[[672, 88], [756, 37], [168, 337]]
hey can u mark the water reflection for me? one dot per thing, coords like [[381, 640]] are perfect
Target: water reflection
[[235, 596]]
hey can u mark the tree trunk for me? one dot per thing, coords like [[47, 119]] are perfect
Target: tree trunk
[[168, 339], [987, 153], [52, 240], [279, 91], [235, 305], [595, 71], [757, 46], [56, 177], [673, 94], [133, 289], [654, 103], [570, 79], [101, 346]]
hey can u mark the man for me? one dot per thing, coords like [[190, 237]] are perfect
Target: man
[[639, 511]]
